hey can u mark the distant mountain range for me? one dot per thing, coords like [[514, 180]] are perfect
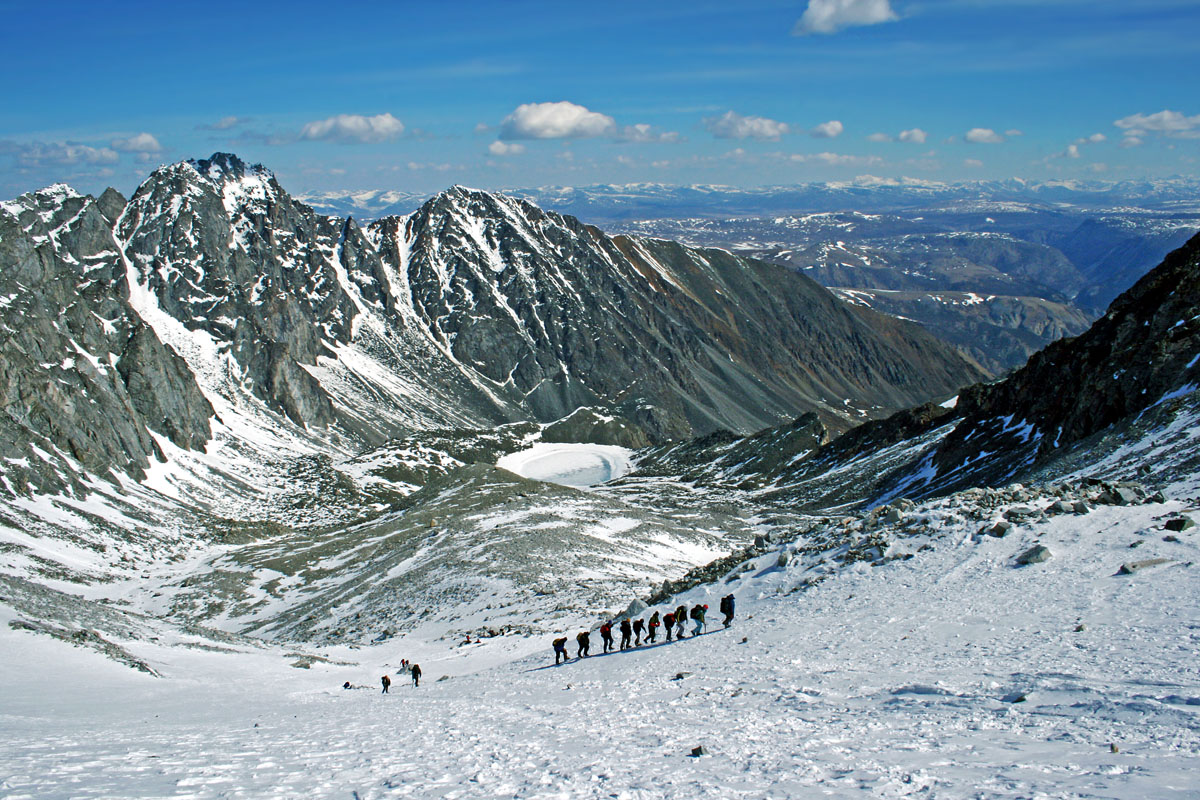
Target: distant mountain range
[[608, 203]]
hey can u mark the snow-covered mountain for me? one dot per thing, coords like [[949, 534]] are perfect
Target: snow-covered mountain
[[253, 454]]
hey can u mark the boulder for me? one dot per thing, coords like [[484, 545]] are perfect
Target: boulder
[[783, 559], [1061, 507], [1180, 523], [1034, 555], [1080, 506], [1000, 529], [892, 515], [1131, 567], [1021, 513], [634, 609], [699, 750]]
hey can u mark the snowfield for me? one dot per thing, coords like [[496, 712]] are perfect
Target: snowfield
[[576, 465], [950, 674]]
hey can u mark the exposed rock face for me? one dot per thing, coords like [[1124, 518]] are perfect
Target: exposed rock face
[[476, 310], [568, 317], [1144, 351], [83, 379], [1145, 347], [224, 250]]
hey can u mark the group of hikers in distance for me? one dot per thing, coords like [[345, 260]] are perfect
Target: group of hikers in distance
[[671, 622]]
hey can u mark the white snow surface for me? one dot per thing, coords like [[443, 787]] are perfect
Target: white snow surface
[[877, 681], [570, 464]]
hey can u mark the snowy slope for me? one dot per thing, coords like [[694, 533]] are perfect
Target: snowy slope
[[844, 680]]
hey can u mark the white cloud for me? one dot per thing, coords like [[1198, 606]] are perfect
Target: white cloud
[[1166, 122], [914, 135], [482, 127], [972, 162], [1132, 141], [879, 137], [138, 143], [499, 148], [1014, 132], [1095, 138], [353, 128], [647, 133], [1072, 151], [827, 130], [732, 125], [831, 16], [35, 154], [836, 159], [983, 136], [560, 120]]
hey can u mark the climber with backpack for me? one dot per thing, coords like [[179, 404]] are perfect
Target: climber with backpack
[[669, 623], [727, 609], [606, 635], [652, 628], [560, 649], [638, 627], [698, 612], [681, 615], [626, 633], [584, 640]]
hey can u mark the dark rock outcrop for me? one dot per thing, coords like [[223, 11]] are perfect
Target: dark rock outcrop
[[84, 381]]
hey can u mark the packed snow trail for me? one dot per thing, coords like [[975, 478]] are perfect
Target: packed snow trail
[[884, 681]]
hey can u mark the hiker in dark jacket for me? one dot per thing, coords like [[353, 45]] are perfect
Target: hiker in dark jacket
[[606, 635], [681, 614], [416, 675], [584, 640], [727, 609], [386, 681], [638, 627], [652, 628], [560, 649], [698, 612], [669, 623], [626, 633]]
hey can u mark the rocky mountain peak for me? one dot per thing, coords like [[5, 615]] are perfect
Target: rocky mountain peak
[[223, 167]]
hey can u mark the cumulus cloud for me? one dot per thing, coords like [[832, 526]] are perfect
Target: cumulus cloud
[[1137, 128], [831, 16], [647, 133], [353, 129], [1170, 123], [983, 136], [1095, 138], [732, 125], [560, 120], [1072, 151], [138, 143], [879, 137], [914, 136], [499, 148], [827, 130], [972, 162], [35, 154]]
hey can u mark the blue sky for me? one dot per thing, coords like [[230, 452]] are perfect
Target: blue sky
[[418, 96]]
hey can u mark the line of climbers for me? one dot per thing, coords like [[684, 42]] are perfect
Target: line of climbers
[[672, 621]]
